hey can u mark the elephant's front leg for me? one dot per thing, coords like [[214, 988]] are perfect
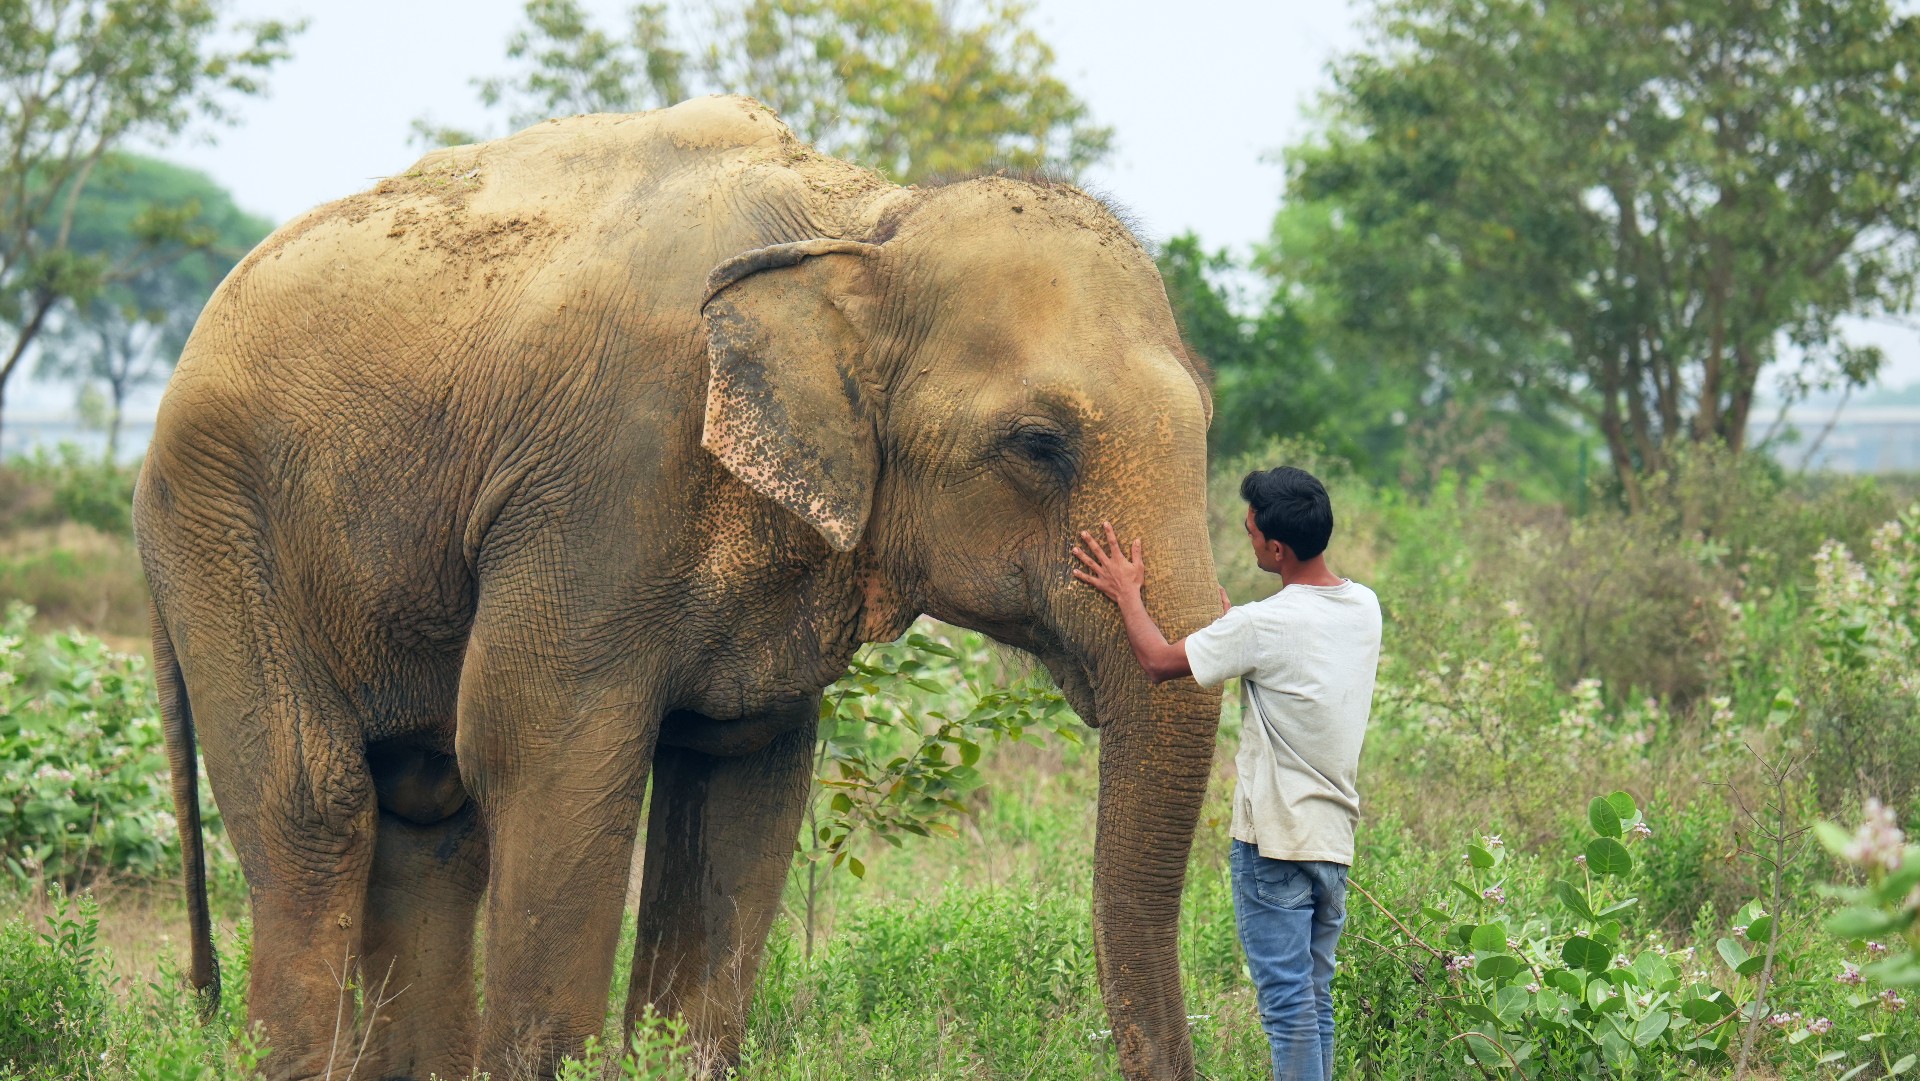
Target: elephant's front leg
[[558, 765], [720, 838]]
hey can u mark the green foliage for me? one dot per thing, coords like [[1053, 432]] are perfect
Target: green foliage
[[1268, 378], [657, 1051], [82, 761], [170, 234], [1887, 907], [55, 997], [1862, 692], [83, 78], [92, 491], [1621, 209], [900, 735], [66, 1015], [912, 88], [567, 65]]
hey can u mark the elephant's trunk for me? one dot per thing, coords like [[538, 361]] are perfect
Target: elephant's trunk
[[1156, 750], [1156, 753]]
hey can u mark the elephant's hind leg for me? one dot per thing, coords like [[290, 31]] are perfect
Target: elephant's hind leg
[[291, 776], [420, 997], [720, 837]]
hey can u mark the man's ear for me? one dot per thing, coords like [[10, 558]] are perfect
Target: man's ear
[[786, 408]]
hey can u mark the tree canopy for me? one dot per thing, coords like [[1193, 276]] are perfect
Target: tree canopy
[[1626, 209], [911, 88], [78, 78], [128, 332]]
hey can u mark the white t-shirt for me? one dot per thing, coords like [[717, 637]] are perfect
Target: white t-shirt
[[1306, 657]]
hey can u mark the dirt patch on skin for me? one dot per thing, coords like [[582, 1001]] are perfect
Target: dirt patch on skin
[[469, 244], [444, 180]]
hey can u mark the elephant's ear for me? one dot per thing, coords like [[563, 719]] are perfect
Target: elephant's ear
[[786, 412]]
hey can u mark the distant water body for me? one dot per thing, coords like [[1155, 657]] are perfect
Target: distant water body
[[21, 435]]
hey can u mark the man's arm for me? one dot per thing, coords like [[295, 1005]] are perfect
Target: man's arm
[[1111, 570]]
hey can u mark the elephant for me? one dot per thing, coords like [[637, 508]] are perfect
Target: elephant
[[577, 464]]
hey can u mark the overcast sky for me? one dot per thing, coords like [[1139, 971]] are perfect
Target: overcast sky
[[1201, 94]]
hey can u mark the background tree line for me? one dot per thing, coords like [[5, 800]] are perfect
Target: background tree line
[[1532, 233]]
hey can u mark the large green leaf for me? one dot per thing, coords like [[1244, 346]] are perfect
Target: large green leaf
[[1572, 900], [1500, 966], [1623, 806], [1650, 1026], [1603, 818], [1510, 1003], [1862, 922], [1490, 937], [1586, 953], [1606, 856]]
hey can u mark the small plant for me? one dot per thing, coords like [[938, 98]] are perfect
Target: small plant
[[1544, 996], [83, 772], [900, 736], [56, 999], [658, 1051]]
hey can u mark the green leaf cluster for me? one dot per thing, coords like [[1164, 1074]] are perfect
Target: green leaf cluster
[[82, 78], [901, 735], [914, 89], [1540, 997], [1619, 211], [83, 772]]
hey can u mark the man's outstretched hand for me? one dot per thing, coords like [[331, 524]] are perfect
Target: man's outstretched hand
[[1117, 572], [1110, 568]]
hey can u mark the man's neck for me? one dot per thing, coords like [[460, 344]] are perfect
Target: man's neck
[[1312, 572]]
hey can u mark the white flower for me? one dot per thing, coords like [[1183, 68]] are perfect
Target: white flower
[[1878, 841]]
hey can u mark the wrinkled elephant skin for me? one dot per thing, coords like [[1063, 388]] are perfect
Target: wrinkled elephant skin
[[588, 456]]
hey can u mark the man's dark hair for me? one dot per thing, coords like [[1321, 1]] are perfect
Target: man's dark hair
[[1291, 506]]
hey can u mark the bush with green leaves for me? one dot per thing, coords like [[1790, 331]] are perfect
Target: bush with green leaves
[[91, 490], [83, 773], [65, 1016]]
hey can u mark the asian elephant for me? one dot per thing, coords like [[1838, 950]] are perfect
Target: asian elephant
[[587, 457]]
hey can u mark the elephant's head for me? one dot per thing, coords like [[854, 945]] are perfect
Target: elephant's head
[[992, 369]]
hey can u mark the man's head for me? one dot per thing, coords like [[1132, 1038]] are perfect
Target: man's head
[[1289, 517]]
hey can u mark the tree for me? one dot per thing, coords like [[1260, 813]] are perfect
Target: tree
[[566, 65], [907, 87], [128, 332], [78, 78], [1628, 207]]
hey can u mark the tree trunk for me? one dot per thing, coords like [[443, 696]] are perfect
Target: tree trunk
[[42, 305]]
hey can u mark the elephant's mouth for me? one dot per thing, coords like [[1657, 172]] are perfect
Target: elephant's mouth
[[1072, 679]]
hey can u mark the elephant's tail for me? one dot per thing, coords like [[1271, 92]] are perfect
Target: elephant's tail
[[176, 720]]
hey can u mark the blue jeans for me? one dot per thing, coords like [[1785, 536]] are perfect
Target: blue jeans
[[1290, 914]]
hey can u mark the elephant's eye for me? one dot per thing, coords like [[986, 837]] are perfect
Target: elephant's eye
[[1044, 446]]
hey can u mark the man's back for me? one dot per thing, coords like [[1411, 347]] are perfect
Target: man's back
[[1307, 657]]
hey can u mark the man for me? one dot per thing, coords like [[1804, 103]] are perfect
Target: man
[[1306, 658]]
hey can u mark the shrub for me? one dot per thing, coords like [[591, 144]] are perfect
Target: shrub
[[65, 1016], [69, 485], [83, 776], [1865, 692]]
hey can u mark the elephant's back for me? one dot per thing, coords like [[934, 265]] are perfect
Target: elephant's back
[[586, 229]]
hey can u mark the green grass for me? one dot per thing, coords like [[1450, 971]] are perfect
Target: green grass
[[1525, 673]]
